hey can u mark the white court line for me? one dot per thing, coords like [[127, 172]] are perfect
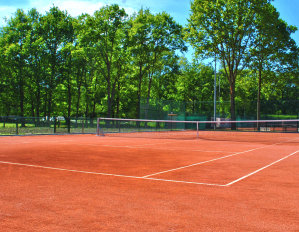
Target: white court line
[[132, 146], [166, 180], [104, 145], [107, 174], [250, 174], [128, 145], [191, 165], [153, 148], [153, 144], [223, 157], [186, 182]]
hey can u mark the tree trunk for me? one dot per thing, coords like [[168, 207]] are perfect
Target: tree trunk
[[79, 96], [259, 101], [38, 100], [49, 104], [69, 91], [139, 94], [94, 109], [32, 106], [69, 87], [109, 97], [22, 98], [45, 104], [78, 102], [118, 101], [232, 105], [86, 111], [147, 100]]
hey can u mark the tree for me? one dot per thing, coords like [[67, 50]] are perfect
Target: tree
[[57, 30], [196, 82], [35, 49], [106, 30], [275, 50], [16, 55], [151, 38], [226, 29], [6, 93]]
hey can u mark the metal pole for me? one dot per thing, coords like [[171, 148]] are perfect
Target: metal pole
[[98, 125], [219, 96], [215, 96]]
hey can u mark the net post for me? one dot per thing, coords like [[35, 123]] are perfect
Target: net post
[[197, 128], [99, 130]]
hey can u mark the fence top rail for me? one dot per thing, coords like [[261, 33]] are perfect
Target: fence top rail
[[247, 121]]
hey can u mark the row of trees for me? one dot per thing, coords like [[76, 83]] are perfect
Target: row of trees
[[101, 64]]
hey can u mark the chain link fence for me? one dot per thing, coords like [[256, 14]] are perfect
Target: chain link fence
[[14, 125], [159, 109]]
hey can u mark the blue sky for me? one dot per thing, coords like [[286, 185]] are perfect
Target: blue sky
[[178, 9]]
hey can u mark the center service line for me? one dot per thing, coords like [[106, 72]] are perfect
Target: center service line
[[223, 157]]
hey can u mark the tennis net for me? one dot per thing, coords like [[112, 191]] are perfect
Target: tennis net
[[140, 128]]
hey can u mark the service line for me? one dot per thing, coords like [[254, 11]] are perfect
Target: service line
[[155, 148], [208, 161], [250, 174]]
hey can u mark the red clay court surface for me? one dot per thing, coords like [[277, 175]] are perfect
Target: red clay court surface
[[238, 181]]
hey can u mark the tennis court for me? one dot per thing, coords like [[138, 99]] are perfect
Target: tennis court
[[221, 181]]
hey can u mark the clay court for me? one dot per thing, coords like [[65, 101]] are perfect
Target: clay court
[[223, 181]]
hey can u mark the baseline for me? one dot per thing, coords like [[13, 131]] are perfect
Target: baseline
[[108, 174]]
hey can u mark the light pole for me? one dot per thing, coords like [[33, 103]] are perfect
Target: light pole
[[219, 76], [215, 96]]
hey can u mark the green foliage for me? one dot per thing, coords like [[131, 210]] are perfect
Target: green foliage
[[102, 64], [153, 39], [102, 36], [241, 34], [196, 82]]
